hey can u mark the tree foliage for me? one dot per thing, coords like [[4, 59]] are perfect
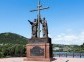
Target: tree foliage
[[12, 45]]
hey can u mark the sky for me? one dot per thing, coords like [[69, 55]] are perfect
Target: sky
[[65, 19]]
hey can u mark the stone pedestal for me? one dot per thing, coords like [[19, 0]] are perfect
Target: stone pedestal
[[38, 51]]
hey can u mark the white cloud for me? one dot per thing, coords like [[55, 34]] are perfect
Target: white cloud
[[69, 39]]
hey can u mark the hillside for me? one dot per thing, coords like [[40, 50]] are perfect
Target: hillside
[[12, 38], [12, 45]]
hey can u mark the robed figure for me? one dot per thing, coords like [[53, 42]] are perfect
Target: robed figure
[[34, 28], [44, 28]]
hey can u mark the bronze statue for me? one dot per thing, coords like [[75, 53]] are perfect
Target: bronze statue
[[34, 28], [45, 28], [39, 8]]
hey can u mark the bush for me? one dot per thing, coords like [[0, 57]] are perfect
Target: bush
[[12, 50]]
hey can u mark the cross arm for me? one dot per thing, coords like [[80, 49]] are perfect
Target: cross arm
[[39, 9], [33, 10], [43, 8]]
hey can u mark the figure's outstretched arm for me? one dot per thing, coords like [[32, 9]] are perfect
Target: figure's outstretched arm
[[30, 22]]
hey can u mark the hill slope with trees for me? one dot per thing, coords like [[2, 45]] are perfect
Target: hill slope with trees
[[12, 45], [12, 38]]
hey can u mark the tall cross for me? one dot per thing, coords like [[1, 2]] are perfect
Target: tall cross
[[39, 8]]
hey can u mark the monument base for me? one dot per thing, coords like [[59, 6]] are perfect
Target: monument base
[[36, 61], [38, 52]]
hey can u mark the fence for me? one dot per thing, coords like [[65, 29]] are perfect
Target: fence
[[68, 54]]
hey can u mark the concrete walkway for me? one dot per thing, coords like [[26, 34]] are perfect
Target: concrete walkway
[[20, 59]]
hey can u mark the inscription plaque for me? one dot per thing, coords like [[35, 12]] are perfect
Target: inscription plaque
[[37, 51]]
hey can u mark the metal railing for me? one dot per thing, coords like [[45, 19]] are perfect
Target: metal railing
[[68, 54]]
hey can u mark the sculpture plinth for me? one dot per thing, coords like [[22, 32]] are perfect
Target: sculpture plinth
[[39, 49]]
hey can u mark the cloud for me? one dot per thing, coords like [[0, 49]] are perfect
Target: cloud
[[69, 39]]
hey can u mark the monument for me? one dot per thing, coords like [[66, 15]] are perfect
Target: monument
[[39, 48]]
